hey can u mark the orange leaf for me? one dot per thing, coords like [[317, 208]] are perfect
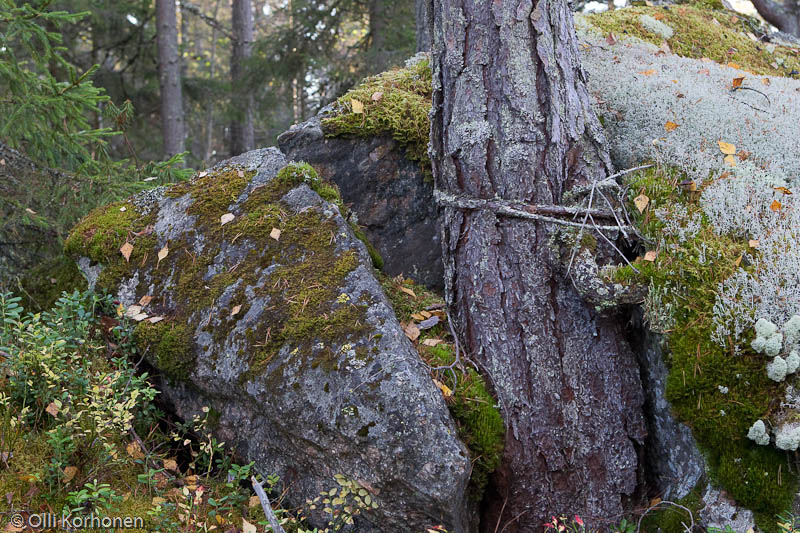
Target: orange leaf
[[670, 126], [408, 291], [126, 250], [775, 205], [784, 190], [737, 82], [650, 256], [765, 81], [648, 72], [734, 65]]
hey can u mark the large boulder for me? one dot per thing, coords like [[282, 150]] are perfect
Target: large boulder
[[255, 298], [390, 195]]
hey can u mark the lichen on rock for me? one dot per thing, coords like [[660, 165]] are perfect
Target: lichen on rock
[[255, 298]]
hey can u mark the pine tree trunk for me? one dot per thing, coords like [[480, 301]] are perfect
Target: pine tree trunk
[[169, 79], [424, 22], [512, 119], [242, 137]]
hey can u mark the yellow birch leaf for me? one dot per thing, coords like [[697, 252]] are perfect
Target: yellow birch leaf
[[358, 107], [738, 260], [126, 250], [52, 409], [730, 160], [227, 217], [133, 310], [408, 291], [236, 310], [446, 391], [163, 253], [670, 126], [146, 299], [155, 319], [726, 148], [432, 342], [641, 202], [753, 243], [275, 234]]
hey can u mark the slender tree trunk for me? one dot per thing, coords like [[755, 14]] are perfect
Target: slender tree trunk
[[242, 127], [210, 109], [377, 32], [424, 18], [512, 119], [169, 79]]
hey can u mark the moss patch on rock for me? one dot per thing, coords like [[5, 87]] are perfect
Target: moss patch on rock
[[715, 391], [394, 103], [169, 346], [699, 33], [472, 406]]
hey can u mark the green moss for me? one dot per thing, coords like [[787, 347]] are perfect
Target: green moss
[[168, 345], [701, 32], [685, 276], [43, 285], [100, 235], [396, 103], [668, 518]]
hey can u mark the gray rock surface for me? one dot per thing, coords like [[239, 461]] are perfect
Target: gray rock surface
[[348, 395], [387, 192], [674, 462]]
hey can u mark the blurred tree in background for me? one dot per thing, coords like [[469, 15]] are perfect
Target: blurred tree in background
[[82, 107]]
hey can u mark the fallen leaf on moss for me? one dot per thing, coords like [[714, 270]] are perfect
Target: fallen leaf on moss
[[240, 173], [139, 317], [726, 148], [731, 64], [203, 174], [650, 256], [69, 473], [737, 82], [155, 319], [432, 342], [235, 310], [738, 260], [163, 253], [648, 72], [358, 107], [446, 391], [275, 234], [408, 291], [376, 96], [126, 250], [253, 501], [144, 300], [670, 126], [134, 450], [775, 205], [730, 160], [171, 464], [227, 217], [133, 310], [641, 202], [412, 331], [753, 243], [418, 316]]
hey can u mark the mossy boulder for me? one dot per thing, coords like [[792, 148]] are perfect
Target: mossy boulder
[[379, 162], [254, 297]]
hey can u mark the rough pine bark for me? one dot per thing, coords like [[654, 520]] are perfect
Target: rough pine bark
[[512, 119], [169, 79], [242, 137]]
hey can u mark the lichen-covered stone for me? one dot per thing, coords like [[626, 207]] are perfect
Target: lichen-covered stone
[[275, 320]]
